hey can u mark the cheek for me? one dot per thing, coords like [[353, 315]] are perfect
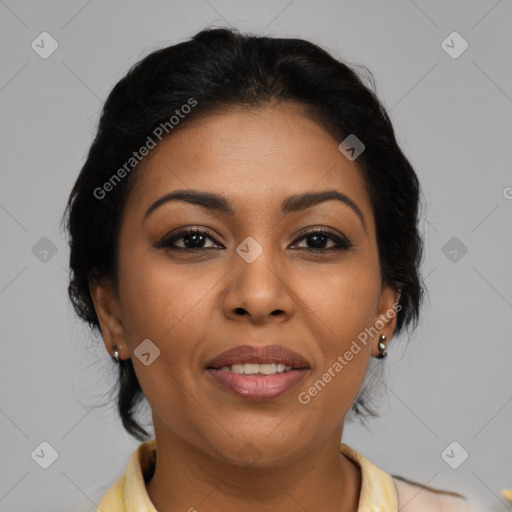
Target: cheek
[[341, 309], [344, 298], [166, 305], [163, 300]]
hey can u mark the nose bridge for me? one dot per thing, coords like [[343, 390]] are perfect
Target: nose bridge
[[258, 239], [256, 285], [257, 262]]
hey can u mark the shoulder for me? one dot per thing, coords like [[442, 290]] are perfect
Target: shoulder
[[128, 492], [423, 498], [391, 493]]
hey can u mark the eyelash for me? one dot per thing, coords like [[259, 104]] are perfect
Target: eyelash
[[167, 242]]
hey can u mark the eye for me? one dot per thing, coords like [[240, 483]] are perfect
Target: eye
[[196, 239], [320, 237], [193, 240]]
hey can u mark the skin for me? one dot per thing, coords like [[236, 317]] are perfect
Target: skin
[[188, 305]]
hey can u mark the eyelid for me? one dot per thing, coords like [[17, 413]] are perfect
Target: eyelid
[[325, 230], [341, 241], [167, 240]]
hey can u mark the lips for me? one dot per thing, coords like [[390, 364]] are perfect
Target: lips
[[258, 354], [258, 387]]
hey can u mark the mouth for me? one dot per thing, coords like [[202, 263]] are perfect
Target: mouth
[[246, 357], [258, 372]]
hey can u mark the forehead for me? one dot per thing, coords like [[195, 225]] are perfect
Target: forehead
[[255, 157]]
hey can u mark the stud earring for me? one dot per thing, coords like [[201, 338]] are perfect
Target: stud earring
[[116, 353], [382, 347]]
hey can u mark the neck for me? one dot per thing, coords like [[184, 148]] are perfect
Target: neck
[[187, 478]]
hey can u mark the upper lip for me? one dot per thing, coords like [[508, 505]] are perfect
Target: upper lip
[[259, 354]]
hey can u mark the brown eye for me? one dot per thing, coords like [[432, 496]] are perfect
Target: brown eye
[[318, 238], [193, 240], [196, 239]]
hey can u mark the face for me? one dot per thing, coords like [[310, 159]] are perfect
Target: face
[[307, 279]]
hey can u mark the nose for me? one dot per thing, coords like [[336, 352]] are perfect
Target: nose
[[258, 291]]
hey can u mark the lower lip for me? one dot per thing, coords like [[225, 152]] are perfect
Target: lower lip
[[258, 387]]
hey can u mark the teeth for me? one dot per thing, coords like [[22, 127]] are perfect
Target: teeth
[[255, 368]]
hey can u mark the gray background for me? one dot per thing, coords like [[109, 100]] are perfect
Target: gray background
[[453, 120]]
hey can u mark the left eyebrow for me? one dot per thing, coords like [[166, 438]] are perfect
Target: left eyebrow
[[220, 204]]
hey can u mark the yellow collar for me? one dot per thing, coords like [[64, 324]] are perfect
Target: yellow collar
[[128, 493]]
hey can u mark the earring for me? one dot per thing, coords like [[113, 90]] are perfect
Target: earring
[[382, 347], [116, 353]]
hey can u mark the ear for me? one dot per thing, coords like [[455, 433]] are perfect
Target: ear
[[385, 321], [108, 310]]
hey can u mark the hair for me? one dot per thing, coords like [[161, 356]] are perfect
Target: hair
[[221, 68]]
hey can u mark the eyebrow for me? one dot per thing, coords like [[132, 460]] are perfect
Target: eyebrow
[[220, 204]]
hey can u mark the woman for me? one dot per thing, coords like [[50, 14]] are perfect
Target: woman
[[244, 232]]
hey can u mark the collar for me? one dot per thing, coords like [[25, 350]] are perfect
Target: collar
[[128, 493], [378, 491]]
